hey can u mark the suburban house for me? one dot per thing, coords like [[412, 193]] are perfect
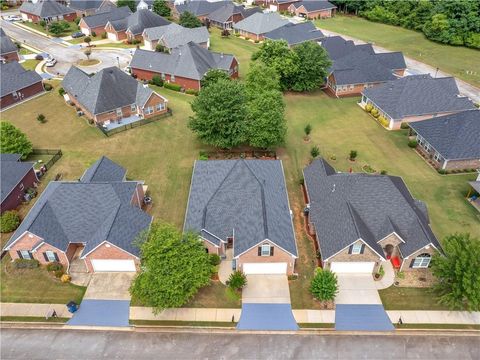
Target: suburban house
[[186, 65], [18, 84], [241, 212], [90, 7], [111, 96], [95, 220], [450, 142], [201, 9], [257, 25], [356, 67], [312, 9], [228, 14], [16, 177], [8, 50], [296, 34], [173, 35], [46, 10], [415, 98], [132, 27], [275, 5], [473, 195], [361, 220], [96, 23]]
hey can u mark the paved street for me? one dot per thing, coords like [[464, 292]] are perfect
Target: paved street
[[62, 344], [64, 55]]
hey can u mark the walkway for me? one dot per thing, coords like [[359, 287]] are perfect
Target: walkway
[[225, 267]]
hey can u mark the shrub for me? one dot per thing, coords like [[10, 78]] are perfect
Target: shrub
[[301, 181], [215, 259], [368, 107], [156, 80], [38, 57], [404, 126], [203, 155], [247, 38], [256, 41], [307, 129], [191, 92], [413, 143], [383, 172], [171, 86], [324, 285], [94, 34], [42, 23], [26, 264], [353, 155], [9, 221], [442, 171], [104, 35], [61, 91], [54, 266], [65, 278], [59, 273], [375, 113], [47, 86], [315, 151], [383, 121], [77, 20], [237, 280], [225, 33], [237, 35], [41, 118], [87, 39]]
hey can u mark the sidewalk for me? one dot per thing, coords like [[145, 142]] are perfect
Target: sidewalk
[[185, 314], [35, 310]]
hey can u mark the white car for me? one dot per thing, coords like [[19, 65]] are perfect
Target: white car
[[13, 18], [51, 62]]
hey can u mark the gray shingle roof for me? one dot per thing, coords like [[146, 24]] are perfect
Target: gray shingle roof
[[190, 61], [418, 95], [261, 23], [345, 207], [104, 170], [475, 185], [314, 5], [107, 90], [296, 33], [45, 8], [200, 8], [86, 4], [246, 199], [455, 136], [14, 77], [174, 35], [139, 21], [12, 172], [90, 213], [6, 44], [337, 47], [223, 13], [102, 18]]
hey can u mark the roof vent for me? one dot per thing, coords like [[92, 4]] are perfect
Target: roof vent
[[333, 189]]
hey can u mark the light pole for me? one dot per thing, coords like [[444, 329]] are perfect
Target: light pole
[[118, 62]]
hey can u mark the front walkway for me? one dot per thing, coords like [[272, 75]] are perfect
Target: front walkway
[[225, 267]]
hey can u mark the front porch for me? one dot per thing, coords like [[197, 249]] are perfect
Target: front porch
[[77, 268]]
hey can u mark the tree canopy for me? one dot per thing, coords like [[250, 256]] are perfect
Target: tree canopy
[[58, 27], [173, 267], [324, 285], [13, 141], [188, 20], [130, 3], [458, 272], [212, 76], [160, 7]]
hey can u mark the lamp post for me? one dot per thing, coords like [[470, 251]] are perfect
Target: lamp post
[[118, 62]]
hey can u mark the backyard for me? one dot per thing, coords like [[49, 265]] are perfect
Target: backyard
[[455, 60]]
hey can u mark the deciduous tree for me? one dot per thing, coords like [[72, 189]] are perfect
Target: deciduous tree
[[313, 62], [212, 76], [130, 3], [13, 141], [324, 285], [188, 20], [160, 7]]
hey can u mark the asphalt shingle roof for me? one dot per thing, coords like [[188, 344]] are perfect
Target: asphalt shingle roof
[[12, 172], [86, 4], [345, 207], [6, 44], [455, 136], [102, 18], [223, 13], [418, 95], [261, 23], [107, 90], [104, 170], [190, 61], [14, 77], [296, 33], [200, 8], [138, 21], [86, 212], [174, 35], [246, 199], [337, 47], [45, 8], [314, 5]]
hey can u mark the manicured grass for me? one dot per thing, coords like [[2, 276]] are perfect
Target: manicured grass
[[121, 45], [30, 64], [215, 295], [73, 28], [24, 51], [89, 62], [455, 60], [316, 325], [399, 298], [183, 323], [438, 326], [33, 319]]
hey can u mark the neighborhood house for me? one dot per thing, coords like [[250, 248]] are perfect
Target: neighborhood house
[[257, 25], [312, 9], [229, 14], [173, 35], [46, 10], [8, 50], [90, 7], [96, 23], [92, 221], [296, 34], [362, 220], [201, 9], [241, 212]]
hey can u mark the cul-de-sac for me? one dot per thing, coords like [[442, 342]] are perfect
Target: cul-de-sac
[[293, 179]]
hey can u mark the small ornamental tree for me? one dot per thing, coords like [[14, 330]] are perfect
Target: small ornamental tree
[[41, 118], [315, 151], [87, 53], [58, 27], [458, 272], [307, 130], [324, 286], [88, 40], [213, 75], [237, 280], [13, 141], [160, 7], [188, 20], [353, 155], [173, 267]]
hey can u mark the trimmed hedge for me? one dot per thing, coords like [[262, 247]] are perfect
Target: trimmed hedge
[[156, 80], [368, 107], [47, 87], [191, 92], [413, 143], [9, 221], [26, 264], [404, 126], [54, 266], [173, 87]]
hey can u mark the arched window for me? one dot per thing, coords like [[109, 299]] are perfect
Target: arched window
[[422, 261]]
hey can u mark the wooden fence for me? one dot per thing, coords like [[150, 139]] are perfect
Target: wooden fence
[[57, 154]]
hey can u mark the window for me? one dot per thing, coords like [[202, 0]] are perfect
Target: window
[[149, 110], [119, 112], [15, 95], [133, 107], [50, 256], [422, 261], [172, 78], [438, 157], [163, 76], [21, 187], [160, 107], [25, 254], [265, 250], [357, 248]]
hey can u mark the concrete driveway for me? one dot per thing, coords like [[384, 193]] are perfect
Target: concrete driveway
[[266, 289], [109, 286], [357, 289]]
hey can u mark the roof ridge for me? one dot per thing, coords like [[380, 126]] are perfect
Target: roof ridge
[[350, 210], [264, 207]]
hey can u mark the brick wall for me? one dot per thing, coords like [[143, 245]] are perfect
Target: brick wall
[[368, 256], [279, 255], [25, 93], [350, 90], [154, 101], [407, 261], [138, 195], [321, 14], [11, 56], [88, 30], [62, 257], [184, 82], [109, 252], [15, 198], [212, 249]]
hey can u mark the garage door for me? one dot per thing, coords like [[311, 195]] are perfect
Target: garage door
[[273, 7], [112, 36], [265, 268], [113, 265], [352, 267], [149, 45]]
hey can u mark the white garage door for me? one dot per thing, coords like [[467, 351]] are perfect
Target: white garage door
[[352, 267], [149, 45], [112, 36], [265, 268], [113, 265], [273, 7]]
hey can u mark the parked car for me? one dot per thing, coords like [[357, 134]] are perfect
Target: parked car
[[13, 18], [51, 62], [78, 34]]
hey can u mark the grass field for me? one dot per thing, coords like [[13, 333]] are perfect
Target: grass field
[[30, 64], [397, 298], [455, 60], [73, 28]]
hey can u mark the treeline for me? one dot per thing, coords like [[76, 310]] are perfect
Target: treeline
[[454, 22]]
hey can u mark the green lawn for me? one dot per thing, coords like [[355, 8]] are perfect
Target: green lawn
[[120, 45], [30, 64], [398, 298], [455, 60], [24, 51], [73, 28]]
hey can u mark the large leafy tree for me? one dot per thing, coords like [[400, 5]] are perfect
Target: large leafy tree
[[458, 272], [313, 63], [188, 20], [324, 285], [13, 141], [173, 267], [212, 76], [130, 3], [220, 114], [160, 7], [58, 27]]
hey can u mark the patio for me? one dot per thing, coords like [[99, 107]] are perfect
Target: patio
[[122, 122]]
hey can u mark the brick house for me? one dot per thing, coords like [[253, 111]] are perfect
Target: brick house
[[361, 220], [46, 10], [229, 14], [257, 25], [201, 9], [111, 96], [94, 221], [8, 50], [312, 9], [276, 5], [90, 7], [16, 177], [450, 142], [18, 84], [295, 34], [96, 23], [416, 98], [173, 35], [185, 65], [241, 212]]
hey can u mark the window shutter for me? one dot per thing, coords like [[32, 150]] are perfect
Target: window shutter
[[350, 249], [411, 263], [19, 254], [45, 256], [56, 257], [362, 249], [259, 251], [31, 255], [271, 250]]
